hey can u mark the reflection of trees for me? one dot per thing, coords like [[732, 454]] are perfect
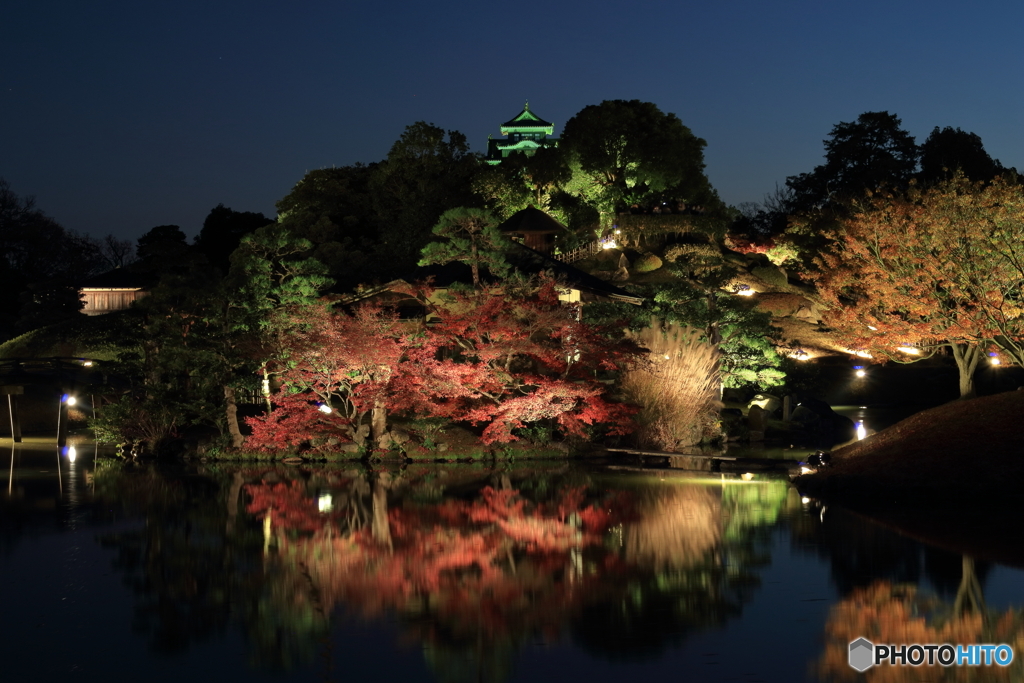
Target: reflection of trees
[[470, 577], [692, 556], [859, 553], [471, 564], [889, 613]]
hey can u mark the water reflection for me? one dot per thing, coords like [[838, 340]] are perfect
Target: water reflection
[[474, 567], [471, 565]]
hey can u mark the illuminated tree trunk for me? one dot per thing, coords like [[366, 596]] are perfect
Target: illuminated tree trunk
[[378, 423], [966, 357], [231, 409]]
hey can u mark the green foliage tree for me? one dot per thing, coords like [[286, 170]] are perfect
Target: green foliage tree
[[520, 181], [622, 153], [427, 171], [471, 236]]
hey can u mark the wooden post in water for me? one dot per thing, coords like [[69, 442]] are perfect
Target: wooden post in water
[[12, 410], [62, 422]]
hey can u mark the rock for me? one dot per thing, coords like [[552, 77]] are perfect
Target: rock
[[766, 402], [817, 419], [620, 275]]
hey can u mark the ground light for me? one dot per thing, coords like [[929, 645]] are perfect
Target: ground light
[[859, 371], [324, 408], [993, 358]]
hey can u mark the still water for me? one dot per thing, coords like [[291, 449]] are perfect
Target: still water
[[540, 571]]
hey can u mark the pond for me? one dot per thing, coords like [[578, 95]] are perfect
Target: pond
[[536, 571]]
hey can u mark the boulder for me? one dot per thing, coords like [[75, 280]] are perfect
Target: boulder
[[766, 402], [817, 420]]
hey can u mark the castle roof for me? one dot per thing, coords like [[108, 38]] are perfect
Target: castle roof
[[527, 120]]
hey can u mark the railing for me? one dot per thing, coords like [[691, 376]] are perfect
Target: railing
[[580, 253]]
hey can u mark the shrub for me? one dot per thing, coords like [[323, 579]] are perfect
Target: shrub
[[677, 391], [771, 275], [647, 263]]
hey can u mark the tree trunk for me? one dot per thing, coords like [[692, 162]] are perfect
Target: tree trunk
[[966, 357], [380, 527], [265, 387], [232, 413], [378, 423]]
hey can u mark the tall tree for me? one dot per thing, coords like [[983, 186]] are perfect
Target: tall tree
[[871, 152], [427, 171], [470, 236], [936, 267], [223, 230], [949, 150], [623, 152]]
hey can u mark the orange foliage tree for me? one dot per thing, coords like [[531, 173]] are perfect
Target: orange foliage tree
[[910, 273]]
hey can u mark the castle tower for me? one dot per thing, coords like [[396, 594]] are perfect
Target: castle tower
[[526, 133]]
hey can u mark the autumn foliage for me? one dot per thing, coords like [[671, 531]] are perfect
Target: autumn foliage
[[887, 613], [928, 268], [500, 357]]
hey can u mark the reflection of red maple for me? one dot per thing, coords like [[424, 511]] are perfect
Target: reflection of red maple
[[499, 562]]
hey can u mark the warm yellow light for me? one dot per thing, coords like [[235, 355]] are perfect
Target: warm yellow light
[[610, 244], [805, 500], [861, 430], [325, 502], [325, 409], [618, 232], [862, 354], [994, 360], [806, 470], [72, 454], [747, 476], [912, 350], [87, 363], [861, 373], [872, 327], [71, 401]]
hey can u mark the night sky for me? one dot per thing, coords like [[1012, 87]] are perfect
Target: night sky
[[120, 116]]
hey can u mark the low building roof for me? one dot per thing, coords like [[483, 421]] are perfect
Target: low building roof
[[530, 220]]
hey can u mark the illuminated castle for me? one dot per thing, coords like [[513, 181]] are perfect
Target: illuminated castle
[[526, 133]]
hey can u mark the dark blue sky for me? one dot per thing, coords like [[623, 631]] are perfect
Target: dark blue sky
[[120, 116]]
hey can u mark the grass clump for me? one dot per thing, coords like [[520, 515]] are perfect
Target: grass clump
[[677, 391]]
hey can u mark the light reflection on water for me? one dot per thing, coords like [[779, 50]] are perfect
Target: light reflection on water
[[451, 573]]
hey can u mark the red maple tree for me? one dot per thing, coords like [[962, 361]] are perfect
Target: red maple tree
[[502, 356]]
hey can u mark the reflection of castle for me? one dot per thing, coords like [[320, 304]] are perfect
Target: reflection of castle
[[526, 133]]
